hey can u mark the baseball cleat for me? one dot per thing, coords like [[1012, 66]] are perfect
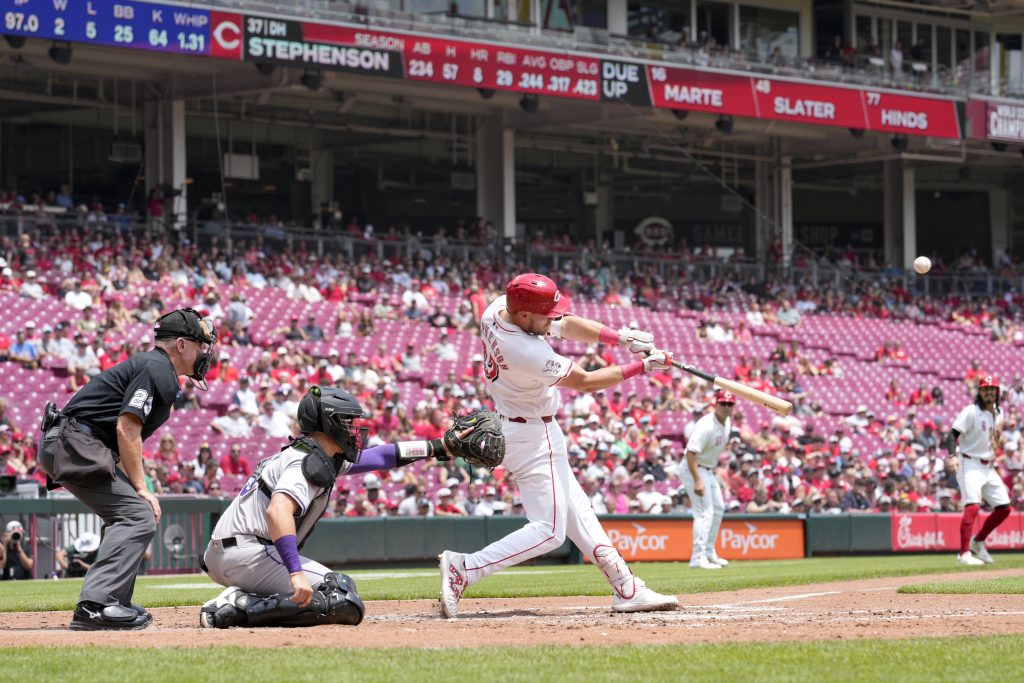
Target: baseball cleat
[[719, 561], [968, 560], [704, 563], [453, 582], [979, 550], [644, 600], [221, 611], [92, 617]]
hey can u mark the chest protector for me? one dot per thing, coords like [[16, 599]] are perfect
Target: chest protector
[[320, 470]]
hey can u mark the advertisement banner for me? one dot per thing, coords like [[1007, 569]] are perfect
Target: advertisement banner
[[1004, 122], [932, 531], [671, 540]]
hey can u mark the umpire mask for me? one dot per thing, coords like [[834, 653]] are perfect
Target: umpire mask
[[333, 412], [189, 324]]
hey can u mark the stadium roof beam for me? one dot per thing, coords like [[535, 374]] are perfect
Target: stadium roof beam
[[567, 113]]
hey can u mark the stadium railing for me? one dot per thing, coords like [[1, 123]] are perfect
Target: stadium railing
[[621, 261]]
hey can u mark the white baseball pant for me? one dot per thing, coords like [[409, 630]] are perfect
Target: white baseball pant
[[707, 512], [556, 505], [979, 482]]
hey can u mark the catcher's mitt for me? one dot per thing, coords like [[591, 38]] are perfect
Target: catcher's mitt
[[484, 446]]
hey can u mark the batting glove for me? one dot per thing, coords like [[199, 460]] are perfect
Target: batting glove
[[636, 341], [657, 360]]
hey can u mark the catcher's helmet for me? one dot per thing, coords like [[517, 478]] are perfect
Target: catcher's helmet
[[536, 294], [332, 411]]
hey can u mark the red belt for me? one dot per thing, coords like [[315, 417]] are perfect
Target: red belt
[[524, 420]]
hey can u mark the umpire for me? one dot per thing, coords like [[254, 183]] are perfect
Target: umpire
[[93, 448]]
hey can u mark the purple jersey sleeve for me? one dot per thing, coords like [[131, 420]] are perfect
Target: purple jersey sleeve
[[383, 457]]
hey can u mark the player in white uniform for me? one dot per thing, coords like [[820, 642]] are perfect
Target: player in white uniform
[[255, 545], [697, 472], [523, 374], [977, 429]]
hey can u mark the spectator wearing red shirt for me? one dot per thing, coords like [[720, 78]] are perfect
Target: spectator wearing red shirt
[[387, 422], [445, 507], [234, 464], [475, 370], [921, 396]]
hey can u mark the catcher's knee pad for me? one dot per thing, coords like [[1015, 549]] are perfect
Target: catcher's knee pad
[[342, 604]]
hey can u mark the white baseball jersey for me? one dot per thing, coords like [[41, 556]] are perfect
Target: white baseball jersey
[[708, 439], [247, 514], [522, 369], [975, 426]]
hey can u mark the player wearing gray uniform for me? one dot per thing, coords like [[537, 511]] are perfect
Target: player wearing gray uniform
[[255, 545]]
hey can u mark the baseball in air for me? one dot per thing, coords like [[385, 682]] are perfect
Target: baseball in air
[[922, 264]]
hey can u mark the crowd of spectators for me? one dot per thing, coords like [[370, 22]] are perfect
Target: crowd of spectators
[[114, 280]]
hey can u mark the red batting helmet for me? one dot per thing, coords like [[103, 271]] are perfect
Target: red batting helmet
[[535, 293], [725, 397], [990, 381]]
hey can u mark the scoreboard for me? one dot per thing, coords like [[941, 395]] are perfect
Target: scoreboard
[[187, 29], [140, 25]]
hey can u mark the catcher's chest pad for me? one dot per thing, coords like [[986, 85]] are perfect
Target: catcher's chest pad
[[318, 468]]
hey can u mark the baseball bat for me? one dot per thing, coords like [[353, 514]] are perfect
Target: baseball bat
[[779, 405]]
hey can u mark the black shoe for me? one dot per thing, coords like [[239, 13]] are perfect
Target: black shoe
[[92, 617], [142, 611]]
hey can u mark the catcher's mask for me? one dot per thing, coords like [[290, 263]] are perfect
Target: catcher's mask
[[187, 323], [333, 412]]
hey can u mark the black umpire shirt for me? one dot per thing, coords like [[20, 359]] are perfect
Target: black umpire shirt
[[145, 385]]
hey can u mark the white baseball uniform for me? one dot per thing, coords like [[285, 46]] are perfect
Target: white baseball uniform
[[977, 478], [523, 372], [707, 442], [250, 561]]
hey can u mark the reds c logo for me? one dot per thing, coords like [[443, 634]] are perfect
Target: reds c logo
[[226, 32]]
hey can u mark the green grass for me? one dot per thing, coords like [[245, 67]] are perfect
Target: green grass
[[1008, 585], [906, 661], [547, 580]]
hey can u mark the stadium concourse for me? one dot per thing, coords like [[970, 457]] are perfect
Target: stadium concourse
[[876, 373]]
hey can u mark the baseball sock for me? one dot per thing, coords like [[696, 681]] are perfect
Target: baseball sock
[[994, 520], [967, 527]]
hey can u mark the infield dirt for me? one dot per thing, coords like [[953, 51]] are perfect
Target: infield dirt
[[852, 609]]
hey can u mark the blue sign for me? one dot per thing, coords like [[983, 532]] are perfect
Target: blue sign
[[141, 25]]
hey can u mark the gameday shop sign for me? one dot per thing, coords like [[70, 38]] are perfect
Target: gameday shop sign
[[671, 540]]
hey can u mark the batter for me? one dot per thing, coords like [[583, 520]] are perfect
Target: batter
[[523, 374]]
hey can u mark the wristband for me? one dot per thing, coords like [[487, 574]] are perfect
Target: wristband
[[632, 369], [413, 450], [608, 336], [436, 449], [289, 552], [555, 330]]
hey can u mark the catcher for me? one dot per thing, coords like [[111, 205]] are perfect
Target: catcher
[[255, 545]]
